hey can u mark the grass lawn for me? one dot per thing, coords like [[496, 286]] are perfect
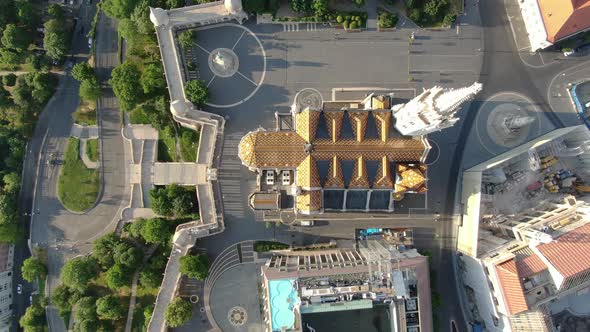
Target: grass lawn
[[77, 185], [85, 115], [145, 297], [167, 145], [189, 143], [92, 149]]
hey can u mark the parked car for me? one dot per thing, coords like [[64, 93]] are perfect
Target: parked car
[[306, 223], [270, 178], [286, 178], [19, 289]]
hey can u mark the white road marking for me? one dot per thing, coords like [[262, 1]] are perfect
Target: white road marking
[[244, 76], [201, 47], [237, 41]]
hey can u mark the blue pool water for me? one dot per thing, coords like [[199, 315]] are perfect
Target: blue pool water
[[283, 299]]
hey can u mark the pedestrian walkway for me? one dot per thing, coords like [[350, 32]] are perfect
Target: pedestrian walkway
[[82, 132], [307, 26], [371, 8], [229, 175], [84, 156]]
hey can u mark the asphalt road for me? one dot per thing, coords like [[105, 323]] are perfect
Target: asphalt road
[[62, 233], [62, 98]]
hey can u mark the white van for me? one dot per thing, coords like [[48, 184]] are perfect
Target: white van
[[306, 223]]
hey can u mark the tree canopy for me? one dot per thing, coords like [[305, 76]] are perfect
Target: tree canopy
[[15, 38], [90, 89], [55, 41], [110, 307], [196, 267], [33, 269], [125, 80], [196, 91], [83, 71], [186, 38], [34, 318], [78, 271], [153, 79], [156, 230], [173, 201], [178, 312], [118, 276]]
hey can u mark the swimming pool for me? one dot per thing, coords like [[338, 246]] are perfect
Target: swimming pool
[[283, 300]]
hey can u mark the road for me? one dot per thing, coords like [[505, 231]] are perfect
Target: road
[[62, 233]]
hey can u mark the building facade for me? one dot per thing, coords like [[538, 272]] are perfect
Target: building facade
[[6, 259]]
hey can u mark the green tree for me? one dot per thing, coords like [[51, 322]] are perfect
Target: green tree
[[43, 86], [33, 319], [83, 71], [117, 276], [160, 202], [26, 13], [171, 4], [178, 312], [155, 230], [119, 8], [110, 307], [183, 205], [135, 228], [127, 255], [9, 57], [254, 6], [196, 91], [125, 81], [54, 41], [90, 89], [33, 268], [320, 7], [153, 79], [64, 297], [78, 272], [141, 18], [5, 99], [55, 11], [9, 80], [85, 314], [8, 208], [186, 38], [128, 30], [150, 278], [15, 38], [196, 267], [11, 181], [10, 233], [433, 7], [103, 250]]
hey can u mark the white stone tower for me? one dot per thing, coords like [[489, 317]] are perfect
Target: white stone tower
[[432, 110]]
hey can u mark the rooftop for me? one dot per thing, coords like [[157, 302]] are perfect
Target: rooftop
[[563, 18], [569, 252]]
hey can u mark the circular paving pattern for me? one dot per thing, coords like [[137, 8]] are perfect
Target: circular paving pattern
[[223, 62], [495, 110], [231, 61], [237, 316], [309, 97]]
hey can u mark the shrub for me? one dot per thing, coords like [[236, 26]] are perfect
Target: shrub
[[262, 246], [345, 24], [353, 25], [196, 267], [449, 19], [415, 15], [9, 80]]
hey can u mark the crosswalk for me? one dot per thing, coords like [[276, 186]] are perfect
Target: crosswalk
[[229, 176], [293, 27]]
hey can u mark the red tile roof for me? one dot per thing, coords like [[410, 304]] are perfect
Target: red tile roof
[[511, 287], [569, 252], [529, 266], [563, 18]]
